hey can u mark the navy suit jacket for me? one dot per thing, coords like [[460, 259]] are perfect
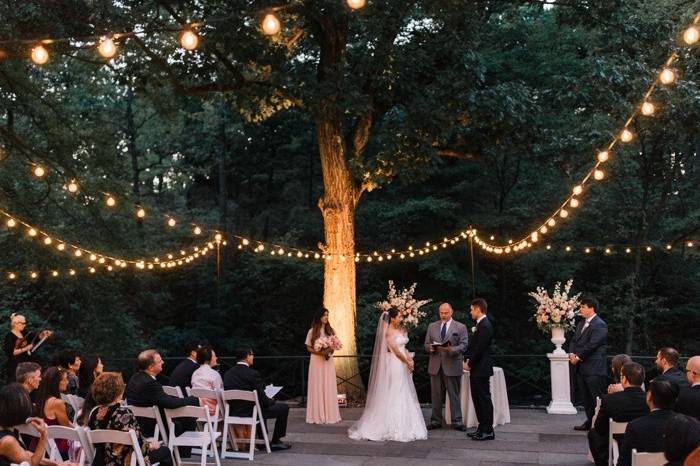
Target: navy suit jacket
[[479, 350], [591, 347], [242, 377], [621, 406], [182, 374], [689, 402], [646, 434]]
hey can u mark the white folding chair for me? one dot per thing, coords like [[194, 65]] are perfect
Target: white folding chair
[[204, 439], [252, 421], [72, 434], [204, 393], [75, 402], [172, 391], [120, 437], [613, 448], [152, 412], [648, 459], [30, 431]]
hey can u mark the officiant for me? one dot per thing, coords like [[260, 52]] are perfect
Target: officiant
[[18, 344], [445, 341]]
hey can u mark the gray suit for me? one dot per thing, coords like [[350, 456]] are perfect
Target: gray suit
[[445, 369]]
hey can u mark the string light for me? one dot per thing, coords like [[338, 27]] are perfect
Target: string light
[[11, 223], [39, 171], [574, 202], [72, 187], [603, 157], [110, 201], [189, 40], [667, 76], [271, 24], [107, 48], [626, 135], [598, 174], [356, 4], [197, 231], [691, 35], [40, 55], [141, 212], [171, 222], [648, 109]]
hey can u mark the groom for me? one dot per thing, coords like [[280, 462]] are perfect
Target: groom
[[445, 365]]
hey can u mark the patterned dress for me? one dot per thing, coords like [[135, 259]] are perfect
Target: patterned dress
[[117, 417]]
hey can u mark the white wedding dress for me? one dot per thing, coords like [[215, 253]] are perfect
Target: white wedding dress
[[392, 411]]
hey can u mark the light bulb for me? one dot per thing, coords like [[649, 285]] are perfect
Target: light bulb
[[47, 241], [574, 202], [31, 232], [578, 190], [107, 48], [626, 135], [563, 213], [12, 276], [667, 76], [189, 40], [33, 274], [568, 248], [11, 223], [141, 213], [72, 187], [271, 24], [691, 35], [40, 55], [54, 274], [648, 108], [551, 222], [171, 222], [93, 257], [628, 250], [39, 171], [78, 253], [690, 244], [218, 237], [356, 4], [71, 272], [92, 269], [588, 250], [534, 236], [61, 247], [544, 229], [648, 248], [599, 174], [197, 231], [603, 156], [111, 202]]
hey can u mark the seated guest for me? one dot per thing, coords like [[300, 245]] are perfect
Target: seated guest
[[646, 433], [88, 405], [107, 391], [206, 376], [69, 360], [16, 408], [28, 374], [243, 377], [144, 390], [615, 366], [49, 405], [621, 406], [689, 400], [182, 374], [90, 369], [667, 364], [682, 437]]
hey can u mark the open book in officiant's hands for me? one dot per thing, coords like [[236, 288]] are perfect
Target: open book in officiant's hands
[[272, 390], [436, 344]]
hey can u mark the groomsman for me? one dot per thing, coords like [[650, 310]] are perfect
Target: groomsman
[[477, 360], [587, 355]]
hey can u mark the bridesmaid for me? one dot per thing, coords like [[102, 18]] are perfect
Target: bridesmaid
[[322, 395]]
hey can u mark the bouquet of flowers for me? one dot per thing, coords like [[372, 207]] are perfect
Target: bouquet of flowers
[[404, 302], [327, 345], [559, 310]]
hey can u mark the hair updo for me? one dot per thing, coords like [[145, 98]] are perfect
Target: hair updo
[[393, 312]]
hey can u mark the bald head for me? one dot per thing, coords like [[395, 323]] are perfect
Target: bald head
[[150, 362], [693, 370], [445, 311]]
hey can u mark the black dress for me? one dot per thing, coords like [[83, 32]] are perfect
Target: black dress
[[9, 345]]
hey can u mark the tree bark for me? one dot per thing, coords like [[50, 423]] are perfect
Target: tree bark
[[221, 168]]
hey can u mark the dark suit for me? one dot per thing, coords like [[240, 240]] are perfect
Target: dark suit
[[676, 377], [182, 374], [478, 353], [646, 434], [242, 377], [689, 402], [591, 371], [144, 391], [620, 407]]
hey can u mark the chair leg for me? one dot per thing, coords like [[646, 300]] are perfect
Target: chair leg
[[176, 454], [251, 451], [216, 457], [203, 460], [224, 438], [263, 428]]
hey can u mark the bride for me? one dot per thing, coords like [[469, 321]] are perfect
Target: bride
[[392, 411]]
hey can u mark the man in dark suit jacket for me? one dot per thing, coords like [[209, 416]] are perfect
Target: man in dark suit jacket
[[243, 377], [478, 361], [646, 434], [587, 354], [181, 376], [667, 364], [145, 391], [621, 406], [689, 399]]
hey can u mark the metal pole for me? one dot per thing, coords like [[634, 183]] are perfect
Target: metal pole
[[471, 257]]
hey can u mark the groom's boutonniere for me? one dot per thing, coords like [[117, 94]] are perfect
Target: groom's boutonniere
[[474, 329]]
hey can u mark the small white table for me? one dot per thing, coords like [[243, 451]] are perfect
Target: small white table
[[499, 398]]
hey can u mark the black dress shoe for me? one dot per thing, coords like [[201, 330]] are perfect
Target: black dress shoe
[[484, 436], [476, 433], [585, 426], [460, 427], [432, 426], [279, 446]]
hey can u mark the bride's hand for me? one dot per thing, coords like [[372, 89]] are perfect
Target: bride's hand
[[410, 365]]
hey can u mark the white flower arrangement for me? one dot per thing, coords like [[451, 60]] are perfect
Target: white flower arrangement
[[408, 307], [559, 310]]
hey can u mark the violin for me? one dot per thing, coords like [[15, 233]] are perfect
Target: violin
[[24, 340]]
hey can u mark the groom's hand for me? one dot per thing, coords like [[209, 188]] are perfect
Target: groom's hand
[[465, 366]]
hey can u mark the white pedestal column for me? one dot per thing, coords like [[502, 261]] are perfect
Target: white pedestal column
[[561, 391]]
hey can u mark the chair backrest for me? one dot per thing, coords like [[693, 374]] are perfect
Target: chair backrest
[[120, 437], [68, 433], [207, 394], [186, 411], [617, 427], [27, 429], [172, 391], [152, 413], [648, 459], [241, 395]]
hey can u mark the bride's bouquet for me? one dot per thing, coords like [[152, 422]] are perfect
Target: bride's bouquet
[[559, 310], [327, 345], [404, 302]]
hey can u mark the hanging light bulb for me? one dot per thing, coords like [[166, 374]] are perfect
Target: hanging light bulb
[[171, 222], [271, 24], [648, 109], [603, 156], [71, 272], [33, 274], [543, 229], [626, 135], [587, 250], [110, 201], [48, 241], [54, 273], [197, 231], [578, 190], [563, 213], [107, 48], [599, 175], [691, 35], [667, 76], [39, 171], [11, 223], [40, 55], [31, 232], [189, 40], [356, 4], [574, 202], [78, 253], [61, 247], [141, 212], [72, 187], [551, 222], [12, 276]]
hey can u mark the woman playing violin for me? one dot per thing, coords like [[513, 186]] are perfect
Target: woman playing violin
[[18, 345]]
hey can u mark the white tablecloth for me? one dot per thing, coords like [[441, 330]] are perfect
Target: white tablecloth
[[499, 398]]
